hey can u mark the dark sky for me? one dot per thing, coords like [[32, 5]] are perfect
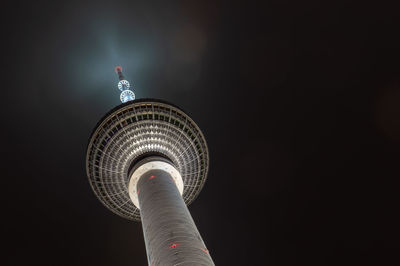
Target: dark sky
[[299, 102]]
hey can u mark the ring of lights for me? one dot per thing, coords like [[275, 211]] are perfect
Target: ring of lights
[[129, 132], [158, 165], [123, 85], [127, 95]]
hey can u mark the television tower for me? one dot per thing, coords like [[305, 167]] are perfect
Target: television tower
[[147, 160]]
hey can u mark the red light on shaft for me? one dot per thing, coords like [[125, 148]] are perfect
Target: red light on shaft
[[205, 250], [174, 245]]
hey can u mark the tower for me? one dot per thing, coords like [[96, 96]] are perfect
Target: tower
[[146, 161]]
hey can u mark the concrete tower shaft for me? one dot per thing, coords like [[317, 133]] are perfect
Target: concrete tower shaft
[[170, 233]]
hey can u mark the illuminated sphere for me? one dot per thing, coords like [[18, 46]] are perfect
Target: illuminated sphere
[[135, 130]]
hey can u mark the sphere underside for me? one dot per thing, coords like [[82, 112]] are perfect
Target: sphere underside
[[133, 130]]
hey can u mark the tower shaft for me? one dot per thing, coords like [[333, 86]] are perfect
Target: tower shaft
[[170, 233]]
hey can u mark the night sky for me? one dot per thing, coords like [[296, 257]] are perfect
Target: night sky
[[299, 102]]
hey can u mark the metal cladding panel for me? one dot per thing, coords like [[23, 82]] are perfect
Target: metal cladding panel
[[170, 233]]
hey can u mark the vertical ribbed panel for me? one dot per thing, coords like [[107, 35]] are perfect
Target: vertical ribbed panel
[[170, 234]]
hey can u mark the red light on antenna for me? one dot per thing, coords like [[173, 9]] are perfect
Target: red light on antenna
[[205, 250], [174, 245], [118, 69]]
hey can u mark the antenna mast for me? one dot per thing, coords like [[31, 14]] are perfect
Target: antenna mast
[[124, 86]]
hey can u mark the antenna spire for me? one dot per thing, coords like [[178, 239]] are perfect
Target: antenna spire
[[124, 86], [118, 70]]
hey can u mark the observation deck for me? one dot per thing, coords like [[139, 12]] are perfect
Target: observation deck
[[133, 131]]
